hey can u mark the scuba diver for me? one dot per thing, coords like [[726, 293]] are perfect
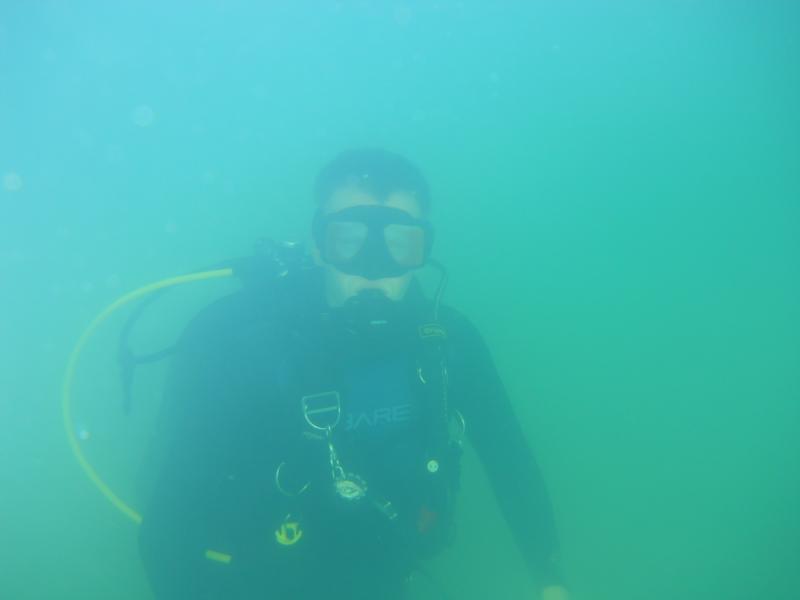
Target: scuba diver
[[312, 422]]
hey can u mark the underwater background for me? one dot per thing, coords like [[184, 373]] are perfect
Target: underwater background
[[616, 192]]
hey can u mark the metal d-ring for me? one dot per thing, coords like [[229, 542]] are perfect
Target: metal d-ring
[[283, 490], [317, 406], [461, 423]]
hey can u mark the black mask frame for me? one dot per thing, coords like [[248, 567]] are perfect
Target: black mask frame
[[373, 260]]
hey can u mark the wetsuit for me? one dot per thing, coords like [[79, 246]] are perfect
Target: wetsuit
[[217, 524]]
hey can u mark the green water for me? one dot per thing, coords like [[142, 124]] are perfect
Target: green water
[[617, 197]]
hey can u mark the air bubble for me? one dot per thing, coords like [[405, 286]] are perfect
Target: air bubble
[[113, 281], [12, 182], [143, 116]]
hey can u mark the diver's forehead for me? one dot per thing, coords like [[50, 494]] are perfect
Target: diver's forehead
[[350, 196]]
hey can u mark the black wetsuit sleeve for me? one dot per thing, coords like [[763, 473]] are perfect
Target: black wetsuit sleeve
[[177, 512], [501, 445], [209, 429]]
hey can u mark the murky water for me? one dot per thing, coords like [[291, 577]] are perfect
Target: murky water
[[616, 195]]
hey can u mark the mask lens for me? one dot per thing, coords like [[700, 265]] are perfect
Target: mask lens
[[344, 239], [406, 244]]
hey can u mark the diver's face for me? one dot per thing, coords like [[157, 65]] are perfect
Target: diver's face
[[339, 286]]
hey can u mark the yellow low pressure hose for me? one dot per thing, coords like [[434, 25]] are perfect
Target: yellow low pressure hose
[[69, 376]]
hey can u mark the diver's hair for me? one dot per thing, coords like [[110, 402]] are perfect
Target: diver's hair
[[376, 171]]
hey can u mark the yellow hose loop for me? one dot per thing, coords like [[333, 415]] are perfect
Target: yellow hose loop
[[72, 363]]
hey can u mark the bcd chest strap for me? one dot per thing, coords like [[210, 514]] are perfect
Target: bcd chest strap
[[316, 390]]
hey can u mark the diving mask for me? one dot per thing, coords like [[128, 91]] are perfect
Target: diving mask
[[372, 241]]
